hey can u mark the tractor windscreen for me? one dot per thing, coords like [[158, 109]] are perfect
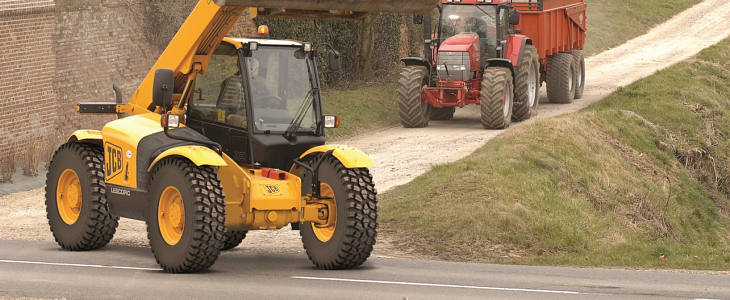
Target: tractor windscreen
[[280, 89], [479, 19]]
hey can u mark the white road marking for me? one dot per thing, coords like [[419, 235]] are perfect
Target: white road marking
[[76, 265], [444, 285]]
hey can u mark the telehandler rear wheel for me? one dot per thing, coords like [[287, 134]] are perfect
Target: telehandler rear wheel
[[186, 216], [347, 239], [76, 203], [527, 85], [233, 238], [445, 113], [414, 113], [580, 69], [497, 98], [561, 78]]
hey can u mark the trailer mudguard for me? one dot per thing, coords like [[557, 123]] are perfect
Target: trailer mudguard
[[199, 155], [516, 48], [92, 136], [350, 157]]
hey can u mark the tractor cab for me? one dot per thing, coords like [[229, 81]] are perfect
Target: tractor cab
[[259, 99]]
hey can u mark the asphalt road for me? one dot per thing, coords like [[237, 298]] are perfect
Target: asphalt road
[[42, 270]]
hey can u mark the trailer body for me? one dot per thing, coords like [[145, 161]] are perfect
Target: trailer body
[[553, 25]]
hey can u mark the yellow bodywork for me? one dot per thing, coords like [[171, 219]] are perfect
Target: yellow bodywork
[[86, 135], [199, 155], [350, 157]]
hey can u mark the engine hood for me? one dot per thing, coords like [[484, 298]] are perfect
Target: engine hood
[[461, 42]]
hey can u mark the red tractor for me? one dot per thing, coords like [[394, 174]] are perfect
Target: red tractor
[[495, 53]]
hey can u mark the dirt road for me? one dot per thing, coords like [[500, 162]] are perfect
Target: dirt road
[[403, 154]]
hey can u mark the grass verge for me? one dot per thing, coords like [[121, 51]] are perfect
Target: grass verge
[[640, 179]]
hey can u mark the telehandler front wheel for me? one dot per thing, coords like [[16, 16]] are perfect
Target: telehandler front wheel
[[186, 216], [76, 203], [233, 238], [347, 239]]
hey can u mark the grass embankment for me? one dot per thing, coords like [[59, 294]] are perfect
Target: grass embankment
[[612, 22], [639, 179]]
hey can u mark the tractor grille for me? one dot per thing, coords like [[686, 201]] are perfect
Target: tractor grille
[[454, 66]]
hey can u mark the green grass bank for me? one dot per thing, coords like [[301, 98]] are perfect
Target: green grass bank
[[640, 179]]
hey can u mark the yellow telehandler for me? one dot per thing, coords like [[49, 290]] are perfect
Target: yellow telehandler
[[224, 135]]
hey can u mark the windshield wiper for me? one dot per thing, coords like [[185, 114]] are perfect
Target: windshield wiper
[[299, 116]]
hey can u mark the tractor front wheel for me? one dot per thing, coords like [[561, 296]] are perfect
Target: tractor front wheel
[[348, 237], [414, 113], [186, 216], [527, 85], [497, 98], [76, 203], [442, 114]]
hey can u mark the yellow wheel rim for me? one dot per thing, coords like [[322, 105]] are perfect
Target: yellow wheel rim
[[171, 215], [68, 196], [324, 232]]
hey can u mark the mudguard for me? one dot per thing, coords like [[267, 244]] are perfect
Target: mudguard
[[93, 136], [199, 155], [516, 48], [350, 157], [416, 61]]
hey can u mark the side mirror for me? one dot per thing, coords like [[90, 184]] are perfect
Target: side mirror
[[162, 88], [514, 17], [418, 19], [334, 60]]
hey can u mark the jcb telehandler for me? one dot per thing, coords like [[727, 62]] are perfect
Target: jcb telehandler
[[224, 135]]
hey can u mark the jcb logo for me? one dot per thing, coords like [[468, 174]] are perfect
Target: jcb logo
[[113, 160], [272, 189]]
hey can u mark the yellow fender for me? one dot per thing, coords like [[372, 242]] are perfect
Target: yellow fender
[[350, 157], [199, 155], [88, 135]]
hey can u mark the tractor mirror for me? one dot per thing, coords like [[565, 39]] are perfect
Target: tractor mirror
[[163, 87], [334, 60], [418, 19], [514, 17]]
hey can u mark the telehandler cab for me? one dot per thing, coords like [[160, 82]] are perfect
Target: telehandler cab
[[224, 135]]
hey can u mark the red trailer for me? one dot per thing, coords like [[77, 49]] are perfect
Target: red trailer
[[495, 53]]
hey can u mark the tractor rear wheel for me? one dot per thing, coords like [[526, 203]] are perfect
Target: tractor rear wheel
[[561, 78], [233, 238], [527, 85], [186, 217], [580, 63], [414, 113], [76, 203], [445, 113], [497, 98], [348, 237]]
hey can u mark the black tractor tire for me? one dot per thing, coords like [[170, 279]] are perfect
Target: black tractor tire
[[94, 226], [203, 231], [527, 85], [357, 218], [561, 78], [233, 238], [497, 98], [413, 112], [441, 114], [580, 62]]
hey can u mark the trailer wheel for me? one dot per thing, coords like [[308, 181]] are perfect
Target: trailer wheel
[[414, 113], [527, 85], [349, 236], [445, 113], [561, 78], [186, 216], [497, 98], [233, 238], [76, 204], [580, 63]]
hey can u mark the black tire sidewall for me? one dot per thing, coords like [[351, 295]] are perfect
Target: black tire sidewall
[[171, 175]]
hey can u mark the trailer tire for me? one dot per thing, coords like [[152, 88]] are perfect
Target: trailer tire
[[186, 216], [76, 204], [349, 240], [233, 238], [413, 112], [580, 63], [561, 78], [445, 113], [527, 85], [497, 98]]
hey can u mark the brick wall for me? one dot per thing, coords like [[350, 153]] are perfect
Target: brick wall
[[27, 69]]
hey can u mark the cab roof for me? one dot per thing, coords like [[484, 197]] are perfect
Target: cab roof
[[239, 42]]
